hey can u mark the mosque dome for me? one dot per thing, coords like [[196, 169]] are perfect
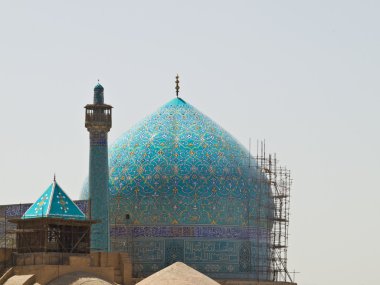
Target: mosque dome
[[179, 167], [179, 183]]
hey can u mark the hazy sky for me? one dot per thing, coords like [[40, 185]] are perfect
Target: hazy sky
[[301, 74]]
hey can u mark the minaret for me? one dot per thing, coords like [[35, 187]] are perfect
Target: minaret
[[99, 123]]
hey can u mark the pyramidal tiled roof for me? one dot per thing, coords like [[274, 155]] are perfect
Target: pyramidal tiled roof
[[54, 203]]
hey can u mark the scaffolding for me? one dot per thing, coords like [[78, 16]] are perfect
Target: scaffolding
[[48, 234], [43, 237], [278, 179]]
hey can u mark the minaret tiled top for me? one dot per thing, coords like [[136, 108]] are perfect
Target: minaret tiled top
[[99, 94]]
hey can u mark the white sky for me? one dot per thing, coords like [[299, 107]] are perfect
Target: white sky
[[301, 74]]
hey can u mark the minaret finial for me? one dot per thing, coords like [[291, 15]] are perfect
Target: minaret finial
[[177, 84], [54, 178]]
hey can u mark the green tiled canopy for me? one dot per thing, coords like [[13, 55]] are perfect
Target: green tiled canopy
[[54, 203]]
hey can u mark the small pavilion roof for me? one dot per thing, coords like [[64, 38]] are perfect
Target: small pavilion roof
[[54, 203]]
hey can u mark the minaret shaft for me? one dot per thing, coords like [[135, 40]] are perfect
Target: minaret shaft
[[99, 123]]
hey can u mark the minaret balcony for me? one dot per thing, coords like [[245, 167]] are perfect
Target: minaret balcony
[[98, 117]]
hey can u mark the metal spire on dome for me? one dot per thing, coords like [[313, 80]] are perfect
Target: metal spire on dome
[[54, 178], [177, 84]]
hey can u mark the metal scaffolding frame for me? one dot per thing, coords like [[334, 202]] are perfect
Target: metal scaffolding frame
[[278, 179]]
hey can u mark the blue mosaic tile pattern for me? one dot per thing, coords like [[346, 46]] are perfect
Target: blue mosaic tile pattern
[[99, 197], [179, 167], [54, 203], [18, 210], [229, 259], [227, 232], [191, 194], [98, 123]]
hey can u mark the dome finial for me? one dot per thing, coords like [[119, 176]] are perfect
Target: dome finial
[[177, 84], [54, 178]]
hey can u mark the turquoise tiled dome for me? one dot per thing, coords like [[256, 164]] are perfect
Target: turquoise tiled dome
[[183, 189], [179, 167]]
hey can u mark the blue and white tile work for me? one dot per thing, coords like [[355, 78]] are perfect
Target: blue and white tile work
[[183, 189], [98, 123], [54, 203], [99, 199]]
